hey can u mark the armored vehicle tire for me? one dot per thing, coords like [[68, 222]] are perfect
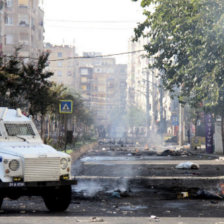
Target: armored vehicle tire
[[1, 200], [58, 200]]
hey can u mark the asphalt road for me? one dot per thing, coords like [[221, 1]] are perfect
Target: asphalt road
[[116, 199]]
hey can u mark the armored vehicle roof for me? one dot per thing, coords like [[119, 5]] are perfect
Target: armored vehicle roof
[[12, 115]]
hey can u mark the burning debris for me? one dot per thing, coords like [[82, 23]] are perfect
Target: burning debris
[[169, 152]]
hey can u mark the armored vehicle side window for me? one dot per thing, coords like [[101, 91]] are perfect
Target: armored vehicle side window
[[19, 129]]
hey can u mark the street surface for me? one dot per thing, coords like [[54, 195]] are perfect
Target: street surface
[[133, 185]]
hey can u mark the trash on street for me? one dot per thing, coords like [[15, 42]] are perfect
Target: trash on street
[[187, 165]]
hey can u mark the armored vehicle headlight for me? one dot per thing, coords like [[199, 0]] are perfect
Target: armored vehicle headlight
[[64, 163], [14, 165]]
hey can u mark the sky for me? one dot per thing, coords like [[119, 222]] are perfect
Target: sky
[[92, 25]]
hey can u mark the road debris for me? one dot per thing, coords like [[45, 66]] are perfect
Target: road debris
[[181, 152], [187, 165], [182, 195], [115, 194], [155, 218], [208, 194], [95, 219]]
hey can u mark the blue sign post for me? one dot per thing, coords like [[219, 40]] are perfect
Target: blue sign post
[[66, 106]]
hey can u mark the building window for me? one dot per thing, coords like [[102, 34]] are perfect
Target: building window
[[59, 54], [83, 79], [23, 20], [9, 39], [69, 73], [9, 3], [23, 3], [59, 73], [97, 70], [84, 71], [8, 20], [59, 63], [24, 38]]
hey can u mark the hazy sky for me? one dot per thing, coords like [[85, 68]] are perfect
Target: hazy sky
[[92, 25]]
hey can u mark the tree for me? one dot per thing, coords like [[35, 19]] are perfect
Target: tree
[[186, 39], [36, 85], [10, 81]]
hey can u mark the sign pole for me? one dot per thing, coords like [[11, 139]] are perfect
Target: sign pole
[[65, 108]]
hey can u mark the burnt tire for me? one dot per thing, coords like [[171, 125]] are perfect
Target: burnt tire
[[58, 200]]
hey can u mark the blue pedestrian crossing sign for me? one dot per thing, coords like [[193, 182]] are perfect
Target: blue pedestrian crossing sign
[[65, 106]]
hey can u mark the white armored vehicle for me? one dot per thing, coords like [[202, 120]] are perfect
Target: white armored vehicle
[[29, 167]]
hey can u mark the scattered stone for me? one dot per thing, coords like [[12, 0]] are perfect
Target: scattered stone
[[95, 219], [168, 212], [182, 195], [153, 217], [116, 194]]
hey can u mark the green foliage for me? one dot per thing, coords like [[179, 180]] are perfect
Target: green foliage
[[27, 86], [80, 111], [36, 86], [186, 39], [10, 81]]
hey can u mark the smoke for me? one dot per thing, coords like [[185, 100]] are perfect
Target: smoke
[[88, 189], [155, 139], [111, 179]]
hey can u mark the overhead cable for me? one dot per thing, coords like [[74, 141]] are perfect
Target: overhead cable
[[82, 57]]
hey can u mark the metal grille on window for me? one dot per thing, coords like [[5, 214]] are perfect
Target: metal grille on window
[[19, 129]]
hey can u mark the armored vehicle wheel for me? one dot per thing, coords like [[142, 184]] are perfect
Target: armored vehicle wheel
[[58, 200], [1, 200]]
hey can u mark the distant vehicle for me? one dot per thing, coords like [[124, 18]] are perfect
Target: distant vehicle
[[29, 167]]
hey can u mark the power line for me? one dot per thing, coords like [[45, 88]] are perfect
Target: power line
[[91, 21], [82, 57], [97, 56], [88, 28]]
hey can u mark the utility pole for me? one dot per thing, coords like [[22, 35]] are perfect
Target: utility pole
[[147, 103], [2, 26], [181, 124]]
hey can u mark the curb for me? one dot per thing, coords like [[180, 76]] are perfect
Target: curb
[[78, 153]]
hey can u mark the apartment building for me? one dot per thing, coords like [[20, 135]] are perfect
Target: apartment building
[[144, 88], [21, 25], [103, 87], [62, 64]]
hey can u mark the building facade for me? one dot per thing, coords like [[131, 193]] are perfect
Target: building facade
[[21, 23], [144, 89], [63, 65], [103, 87]]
